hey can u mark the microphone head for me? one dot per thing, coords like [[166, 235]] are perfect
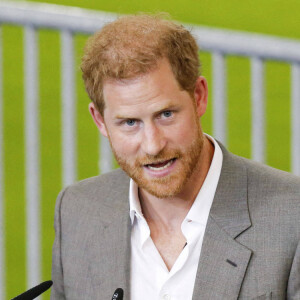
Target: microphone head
[[118, 294], [35, 291]]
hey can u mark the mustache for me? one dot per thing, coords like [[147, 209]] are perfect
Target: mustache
[[165, 155]]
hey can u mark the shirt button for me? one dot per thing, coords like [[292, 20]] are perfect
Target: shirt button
[[166, 297]]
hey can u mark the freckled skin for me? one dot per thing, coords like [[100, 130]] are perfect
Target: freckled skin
[[149, 119]]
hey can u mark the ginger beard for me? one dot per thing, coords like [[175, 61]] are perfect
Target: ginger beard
[[187, 161]]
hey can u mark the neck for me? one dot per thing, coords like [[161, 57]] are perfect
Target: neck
[[169, 212]]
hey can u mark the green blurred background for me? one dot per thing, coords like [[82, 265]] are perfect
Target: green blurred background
[[281, 18]]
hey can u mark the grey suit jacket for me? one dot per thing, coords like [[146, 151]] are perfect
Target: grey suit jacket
[[251, 246]]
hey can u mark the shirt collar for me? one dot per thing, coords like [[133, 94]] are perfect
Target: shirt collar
[[200, 209], [134, 202]]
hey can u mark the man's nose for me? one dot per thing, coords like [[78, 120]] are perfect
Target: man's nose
[[153, 140]]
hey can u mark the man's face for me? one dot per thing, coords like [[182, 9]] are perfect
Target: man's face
[[153, 128]]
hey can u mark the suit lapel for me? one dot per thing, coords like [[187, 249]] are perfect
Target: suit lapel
[[109, 251], [223, 261]]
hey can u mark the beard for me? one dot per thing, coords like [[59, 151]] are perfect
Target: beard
[[187, 161]]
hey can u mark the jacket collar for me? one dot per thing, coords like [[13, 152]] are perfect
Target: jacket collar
[[230, 205], [223, 261], [109, 249]]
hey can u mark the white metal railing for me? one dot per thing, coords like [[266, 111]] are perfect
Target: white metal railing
[[32, 153], [2, 231], [70, 21], [295, 117], [258, 109]]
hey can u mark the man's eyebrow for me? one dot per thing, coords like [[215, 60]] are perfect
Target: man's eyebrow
[[120, 117]]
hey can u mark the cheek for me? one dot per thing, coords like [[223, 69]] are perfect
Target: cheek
[[185, 131], [124, 146]]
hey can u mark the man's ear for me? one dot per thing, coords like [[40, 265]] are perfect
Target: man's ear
[[201, 95], [98, 119]]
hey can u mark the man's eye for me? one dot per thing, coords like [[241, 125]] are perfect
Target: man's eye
[[130, 122], [167, 114]]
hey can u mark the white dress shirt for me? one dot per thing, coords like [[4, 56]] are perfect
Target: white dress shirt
[[150, 278]]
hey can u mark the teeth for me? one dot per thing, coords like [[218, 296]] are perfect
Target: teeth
[[160, 168]]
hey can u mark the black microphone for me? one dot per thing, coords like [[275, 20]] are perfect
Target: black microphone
[[36, 291], [118, 294]]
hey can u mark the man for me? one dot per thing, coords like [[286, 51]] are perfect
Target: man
[[183, 218]]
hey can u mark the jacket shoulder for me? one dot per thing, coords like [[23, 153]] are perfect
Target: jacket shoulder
[[105, 183], [273, 195], [263, 177], [109, 190]]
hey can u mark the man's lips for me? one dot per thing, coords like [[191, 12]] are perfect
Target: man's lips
[[158, 166]]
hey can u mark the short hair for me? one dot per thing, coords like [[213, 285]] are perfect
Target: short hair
[[132, 46]]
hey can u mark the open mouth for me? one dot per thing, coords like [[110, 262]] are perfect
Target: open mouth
[[160, 165]]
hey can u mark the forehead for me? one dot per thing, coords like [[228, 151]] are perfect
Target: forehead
[[156, 88]]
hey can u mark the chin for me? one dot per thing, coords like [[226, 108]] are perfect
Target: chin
[[166, 188]]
